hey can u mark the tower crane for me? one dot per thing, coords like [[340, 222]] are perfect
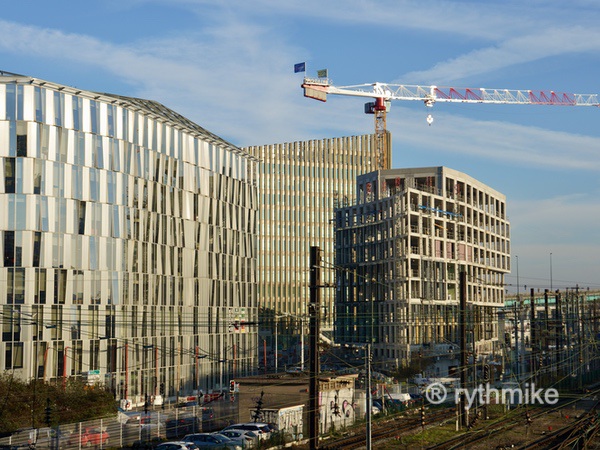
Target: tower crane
[[383, 94]]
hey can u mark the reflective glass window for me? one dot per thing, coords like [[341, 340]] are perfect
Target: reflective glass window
[[11, 101], [77, 112], [37, 176], [59, 108], [40, 103], [80, 148], [94, 116], [110, 117], [20, 212], [20, 99]]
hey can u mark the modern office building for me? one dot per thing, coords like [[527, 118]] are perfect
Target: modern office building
[[301, 184], [129, 240], [400, 249]]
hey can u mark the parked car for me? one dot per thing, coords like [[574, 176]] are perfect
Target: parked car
[[144, 427], [263, 430], [246, 437], [209, 422], [214, 441], [176, 445], [204, 413], [180, 427], [88, 438]]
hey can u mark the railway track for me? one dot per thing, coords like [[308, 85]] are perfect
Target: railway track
[[388, 430], [484, 434], [575, 435], [586, 425]]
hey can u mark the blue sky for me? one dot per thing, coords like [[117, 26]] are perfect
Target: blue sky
[[228, 66]]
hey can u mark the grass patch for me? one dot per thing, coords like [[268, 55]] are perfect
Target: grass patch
[[429, 436]]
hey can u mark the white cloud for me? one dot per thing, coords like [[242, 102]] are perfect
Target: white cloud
[[518, 50], [229, 78], [234, 77], [487, 20], [519, 145]]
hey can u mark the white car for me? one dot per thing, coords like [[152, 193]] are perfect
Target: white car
[[263, 430], [248, 437]]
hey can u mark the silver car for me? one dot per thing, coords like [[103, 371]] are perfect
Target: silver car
[[214, 441], [246, 438]]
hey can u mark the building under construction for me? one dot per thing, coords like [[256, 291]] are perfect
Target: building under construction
[[399, 251]]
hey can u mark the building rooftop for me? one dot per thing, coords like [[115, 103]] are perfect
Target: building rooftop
[[151, 108]]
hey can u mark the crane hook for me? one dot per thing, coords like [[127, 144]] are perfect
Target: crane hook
[[429, 119]]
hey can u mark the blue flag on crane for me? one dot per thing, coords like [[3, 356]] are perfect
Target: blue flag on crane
[[300, 67]]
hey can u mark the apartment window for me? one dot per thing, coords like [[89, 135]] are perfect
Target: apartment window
[[11, 325], [14, 356]]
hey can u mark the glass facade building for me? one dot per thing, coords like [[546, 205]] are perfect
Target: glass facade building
[[400, 249], [129, 243], [301, 184]]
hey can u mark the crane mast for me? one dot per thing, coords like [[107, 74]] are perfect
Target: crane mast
[[383, 94]]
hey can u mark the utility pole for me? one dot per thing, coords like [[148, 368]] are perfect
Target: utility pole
[[517, 314], [547, 322], [517, 360], [559, 330], [462, 323], [368, 399], [533, 333], [314, 310], [579, 305]]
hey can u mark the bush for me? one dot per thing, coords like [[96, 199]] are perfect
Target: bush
[[23, 404]]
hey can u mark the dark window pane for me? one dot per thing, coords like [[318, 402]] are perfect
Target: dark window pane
[[22, 145], [37, 240], [81, 217], [9, 249], [9, 175]]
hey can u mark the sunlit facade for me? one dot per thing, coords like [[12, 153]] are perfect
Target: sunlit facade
[[401, 247], [128, 240], [301, 184]]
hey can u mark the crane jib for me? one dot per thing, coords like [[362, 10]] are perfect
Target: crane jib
[[319, 89]]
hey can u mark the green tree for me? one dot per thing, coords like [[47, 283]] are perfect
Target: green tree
[[23, 404]]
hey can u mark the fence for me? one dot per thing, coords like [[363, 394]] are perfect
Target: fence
[[131, 429]]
